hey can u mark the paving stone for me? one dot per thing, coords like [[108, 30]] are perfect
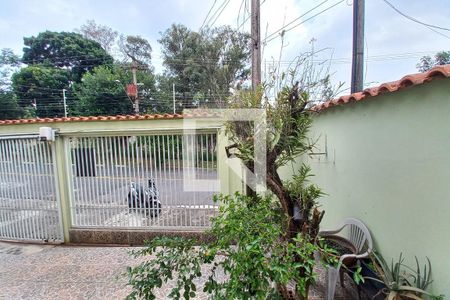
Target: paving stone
[[74, 272]]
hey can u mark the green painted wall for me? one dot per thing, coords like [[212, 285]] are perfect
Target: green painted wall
[[388, 164]]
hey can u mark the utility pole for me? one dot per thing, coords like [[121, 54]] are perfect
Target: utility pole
[[136, 99], [173, 92], [256, 44], [64, 101], [358, 46]]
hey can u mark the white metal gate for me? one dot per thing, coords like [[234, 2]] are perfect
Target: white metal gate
[[137, 181], [29, 200]]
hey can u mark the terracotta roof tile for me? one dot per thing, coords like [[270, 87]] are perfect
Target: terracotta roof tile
[[107, 118], [388, 87]]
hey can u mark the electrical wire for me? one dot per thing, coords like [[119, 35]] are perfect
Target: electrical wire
[[212, 24], [214, 14], [296, 19], [414, 19], [207, 15], [310, 18]]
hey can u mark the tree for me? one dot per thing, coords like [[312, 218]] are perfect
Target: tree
[[102, 91], [257, 240], [103, 35], [9, 108], [41, 87], [8, 63], [205, 64], [426, 62], [136, 48], [65, 50]]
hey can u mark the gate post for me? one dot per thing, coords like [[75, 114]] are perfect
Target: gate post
[[62, 170]]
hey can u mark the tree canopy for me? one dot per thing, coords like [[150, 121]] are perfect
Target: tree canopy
[[136, 48], [41, 87], [207, 63], [103, 35], [65, 50], [427, 62], [102, 92]]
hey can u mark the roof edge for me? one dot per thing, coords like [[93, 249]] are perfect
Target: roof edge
[[410, 80]]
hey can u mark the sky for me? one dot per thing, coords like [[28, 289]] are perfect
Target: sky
[[393, 43]]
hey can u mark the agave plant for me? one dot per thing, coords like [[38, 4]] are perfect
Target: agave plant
[[401, 284]]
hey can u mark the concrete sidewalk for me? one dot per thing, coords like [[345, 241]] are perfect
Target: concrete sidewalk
[[75, 272]]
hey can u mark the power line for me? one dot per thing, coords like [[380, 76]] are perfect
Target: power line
[[414, 19], [296, 19], [207, 15], [215, 13], [310, 18], [212, 24]]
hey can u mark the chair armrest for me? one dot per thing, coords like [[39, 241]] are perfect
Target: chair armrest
[[330, 232]]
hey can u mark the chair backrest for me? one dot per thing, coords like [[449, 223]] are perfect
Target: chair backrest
[[358, 234]]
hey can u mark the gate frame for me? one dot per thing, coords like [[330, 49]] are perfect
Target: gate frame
[[56, 183]]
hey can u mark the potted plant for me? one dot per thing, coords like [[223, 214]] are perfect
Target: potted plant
[[401, 281]]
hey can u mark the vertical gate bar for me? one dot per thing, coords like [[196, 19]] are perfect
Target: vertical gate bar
[[37, 170], [82, 208], [146, 172], [48, 183], [189, 168], [58, 157], [198, 169], [17, 179], [96, 182], [154, 161], [2, 192], [43, 184], [80, 192], [201, 209], [29, 176], [16, 228], [73, 145], [135, 179], [104, 181], [164, 172], [26, 209], [115, 175], [126, 171], [66, 208], [180, 177], [123, 169], [86, 205], [143, 174], [109, 199], [40, 181], [5, 176], [160, 177], [137, 150], [174, 187], [150, 157], [166, 159], [51, 183], [90, 202], [34, 178], [132, 177]]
